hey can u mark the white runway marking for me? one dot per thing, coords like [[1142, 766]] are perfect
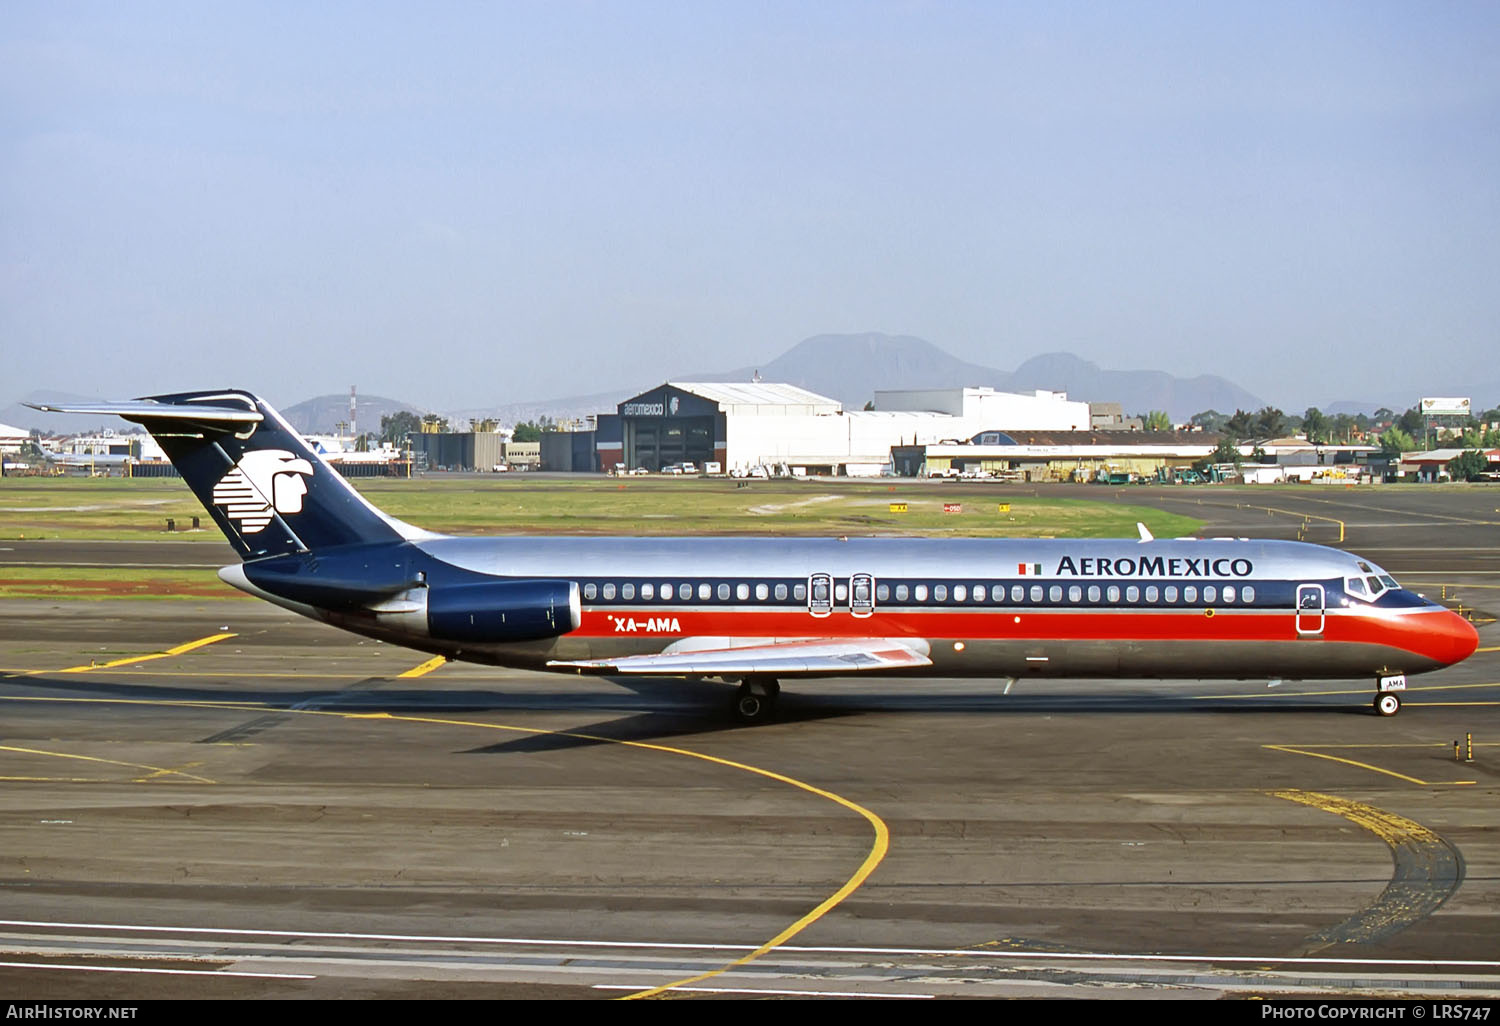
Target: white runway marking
[[161, 972], [978, 953]]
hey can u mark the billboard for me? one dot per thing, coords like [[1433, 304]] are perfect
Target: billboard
[[1444, 407]]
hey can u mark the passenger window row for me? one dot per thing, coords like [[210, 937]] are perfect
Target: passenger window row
[[971, 593]]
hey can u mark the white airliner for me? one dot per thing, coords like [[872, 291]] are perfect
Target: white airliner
[[757, 611]]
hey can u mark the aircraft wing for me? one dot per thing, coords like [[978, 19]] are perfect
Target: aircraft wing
[[803, 656]]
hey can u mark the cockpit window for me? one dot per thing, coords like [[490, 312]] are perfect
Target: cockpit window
[[1356, 587], [1389, 582]]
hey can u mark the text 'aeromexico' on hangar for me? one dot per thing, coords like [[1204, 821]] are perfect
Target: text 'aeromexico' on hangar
[[745, 425]]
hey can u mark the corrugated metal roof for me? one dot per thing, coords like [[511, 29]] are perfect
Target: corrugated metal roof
[[767, 393]]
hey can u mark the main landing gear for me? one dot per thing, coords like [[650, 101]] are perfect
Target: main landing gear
[[1387, 701], [755, 702]]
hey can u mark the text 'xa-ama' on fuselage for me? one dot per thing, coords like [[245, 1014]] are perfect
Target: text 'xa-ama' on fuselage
[[758, 611]]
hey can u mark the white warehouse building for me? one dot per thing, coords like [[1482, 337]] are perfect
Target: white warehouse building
[[740, 426], [988, 409]]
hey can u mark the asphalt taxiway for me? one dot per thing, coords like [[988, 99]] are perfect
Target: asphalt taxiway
[[219, 799]]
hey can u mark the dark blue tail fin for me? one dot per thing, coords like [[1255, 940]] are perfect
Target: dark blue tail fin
[[264, 486]]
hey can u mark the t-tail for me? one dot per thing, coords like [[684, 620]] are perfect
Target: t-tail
[[265, 487]]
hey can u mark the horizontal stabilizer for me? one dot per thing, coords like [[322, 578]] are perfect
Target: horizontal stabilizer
[[143, 410], [804, 656]]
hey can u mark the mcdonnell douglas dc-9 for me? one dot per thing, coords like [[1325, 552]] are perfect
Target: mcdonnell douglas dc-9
[[755, 611]]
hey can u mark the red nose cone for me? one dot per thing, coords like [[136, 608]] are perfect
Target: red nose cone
[[1455, 639]]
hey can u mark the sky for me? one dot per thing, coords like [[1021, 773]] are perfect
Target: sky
[[461, 204]]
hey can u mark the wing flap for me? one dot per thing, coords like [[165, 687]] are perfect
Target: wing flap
[[801, 656]]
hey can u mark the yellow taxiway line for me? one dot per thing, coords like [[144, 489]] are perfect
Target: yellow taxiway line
[[425, 668], [179, 650], [1389, 827], [156, 771], [1293, 750]]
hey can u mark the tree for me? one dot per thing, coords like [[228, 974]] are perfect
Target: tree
[[1158, 420], [1394, 441], [1240, 425], [1209, 420], [1269, 422], [531, 431], [1412, 422], [1315, 424], [1469, 465], [395, 427]]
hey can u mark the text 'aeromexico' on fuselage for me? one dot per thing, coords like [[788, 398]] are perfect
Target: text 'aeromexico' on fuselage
[[759, 610]]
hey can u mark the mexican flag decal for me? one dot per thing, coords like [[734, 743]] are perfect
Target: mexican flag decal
[[1034, 569]]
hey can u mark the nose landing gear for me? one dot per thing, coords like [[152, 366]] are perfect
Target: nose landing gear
[[1387, 701]]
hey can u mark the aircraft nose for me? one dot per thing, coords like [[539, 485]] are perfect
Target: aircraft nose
[[1457, 639]]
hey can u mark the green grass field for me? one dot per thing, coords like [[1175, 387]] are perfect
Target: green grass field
[[116, 509]]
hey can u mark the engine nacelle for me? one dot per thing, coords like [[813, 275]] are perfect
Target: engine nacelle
[[503, 611]]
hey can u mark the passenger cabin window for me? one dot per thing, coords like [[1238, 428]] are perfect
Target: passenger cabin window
[[1229, 594], [1190, 594], [1151, 593], [1093, 593], [1054, 593], [761, 592], [1210, 595], [883, 592], [1112, 593], [704, 591], [780, 593], [723, 592], [1132, 594], [741, 592], [799, 592], [901, 593], [648, 591], [1017, 593], [627, 591], [685, 591], [821, 602], [1036, 594], [978, 593], [960, 592], [940, 593], [861, 595], [1248, 594], [920, 593], [1075, 593], [590, 591], [609, 591]]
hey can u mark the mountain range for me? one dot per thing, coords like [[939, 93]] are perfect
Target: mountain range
[[849, 368]]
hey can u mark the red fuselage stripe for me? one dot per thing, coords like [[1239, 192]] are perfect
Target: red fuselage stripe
[[1422, 632]]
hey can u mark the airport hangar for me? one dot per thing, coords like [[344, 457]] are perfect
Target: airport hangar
[[744, 425]]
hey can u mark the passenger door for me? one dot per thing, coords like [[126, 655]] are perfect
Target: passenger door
[[1310, 611]]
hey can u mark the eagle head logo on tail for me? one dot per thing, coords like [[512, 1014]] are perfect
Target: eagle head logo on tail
[[262, 481]]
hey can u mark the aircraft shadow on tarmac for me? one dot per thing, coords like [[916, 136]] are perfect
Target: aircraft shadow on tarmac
[[663, 708]]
